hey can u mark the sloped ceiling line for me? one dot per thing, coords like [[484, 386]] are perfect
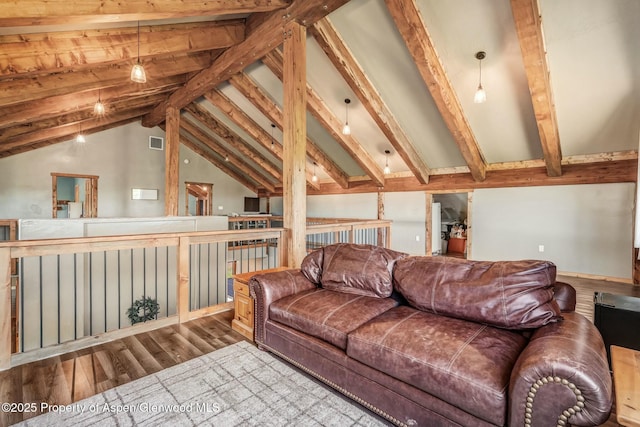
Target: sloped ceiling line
[[217, 163], [407, 17], [234, 140], [231, 158], [316, 106], [346, 64], [250, 90], [263, 33], [46, 108], [529, 28]]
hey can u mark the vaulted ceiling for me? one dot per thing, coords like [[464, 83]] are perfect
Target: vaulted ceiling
[[561, 77]]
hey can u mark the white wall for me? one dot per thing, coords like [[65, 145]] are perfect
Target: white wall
[[584, 228], [122, 159]]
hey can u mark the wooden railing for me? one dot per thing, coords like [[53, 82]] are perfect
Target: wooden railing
[[67, 294]]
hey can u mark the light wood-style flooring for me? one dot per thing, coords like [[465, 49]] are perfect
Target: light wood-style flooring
[[77, 375], [74, 376]]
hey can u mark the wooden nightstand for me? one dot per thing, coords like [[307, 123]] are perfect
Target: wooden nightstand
[[243, 304]]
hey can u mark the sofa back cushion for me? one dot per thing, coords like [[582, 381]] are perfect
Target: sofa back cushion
[[506, 294], [355, 269]]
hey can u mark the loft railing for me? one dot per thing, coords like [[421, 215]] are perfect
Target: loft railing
[[67, 294]]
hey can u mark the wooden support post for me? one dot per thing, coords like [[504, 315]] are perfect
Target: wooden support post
[[469, 222], [295, 141], [5, 308], [380, 216], [428, 224], [183, 280], [172, 160]]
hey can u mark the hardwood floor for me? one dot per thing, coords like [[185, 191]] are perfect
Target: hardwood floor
[[74, 376]]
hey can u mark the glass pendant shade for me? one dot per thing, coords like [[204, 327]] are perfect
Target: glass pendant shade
[[346, 129], [480, 96], [80, 138], [137, 74], [98, 108]]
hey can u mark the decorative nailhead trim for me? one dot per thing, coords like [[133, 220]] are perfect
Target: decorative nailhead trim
[[342, 390], [567, 413]]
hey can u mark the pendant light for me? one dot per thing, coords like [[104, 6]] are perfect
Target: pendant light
[[98, 108], [314, 178], [346, 129], [481, 95], [137, 72], [80, 137], [387, 169]]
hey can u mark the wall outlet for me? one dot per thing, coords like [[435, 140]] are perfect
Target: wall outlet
[[540, 248], [220, 207], [417, 237]]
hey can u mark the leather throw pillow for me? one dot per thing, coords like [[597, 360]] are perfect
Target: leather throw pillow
[[355, 269]]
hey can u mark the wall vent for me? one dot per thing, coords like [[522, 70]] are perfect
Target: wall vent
[[156, 143]]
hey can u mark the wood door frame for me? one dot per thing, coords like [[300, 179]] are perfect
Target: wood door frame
[[91, 193], [429, 220], [207, 199]]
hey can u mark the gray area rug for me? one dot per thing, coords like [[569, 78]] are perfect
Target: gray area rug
[[238, 385]]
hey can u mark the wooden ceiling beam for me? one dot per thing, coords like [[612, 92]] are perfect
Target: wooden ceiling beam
[[534, 56], [573, 174], [407, 17], [214, 145], [233, 139], [65, 138], [263, 33], [69, 130], [220, 164], [346, 64], [28, 54], [50, 107], [246, 123], [316, 106], [250, 90], [52, 12], [78, 116], [37, 87]]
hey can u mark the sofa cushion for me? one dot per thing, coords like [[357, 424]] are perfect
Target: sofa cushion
[[359, 269], [507, 294], [464, 363], [327, 315]]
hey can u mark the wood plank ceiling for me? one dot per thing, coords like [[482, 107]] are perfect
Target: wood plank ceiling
[[407, 66]]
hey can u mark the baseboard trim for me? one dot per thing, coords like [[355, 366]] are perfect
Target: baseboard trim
[[628, 281]]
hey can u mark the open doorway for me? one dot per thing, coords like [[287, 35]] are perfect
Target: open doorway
[[449, 223], [199, 198], [74, 196]]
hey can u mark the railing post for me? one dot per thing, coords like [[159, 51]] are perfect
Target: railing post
[[387, 243], [351, 234], [183, 279], [5, 308]]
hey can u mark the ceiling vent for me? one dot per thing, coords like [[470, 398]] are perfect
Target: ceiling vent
[[156, 143]]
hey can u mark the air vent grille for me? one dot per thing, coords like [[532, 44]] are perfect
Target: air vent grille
[[156, 143]]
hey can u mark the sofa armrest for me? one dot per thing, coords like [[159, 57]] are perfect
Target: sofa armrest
[[270, 287], [562, 377]]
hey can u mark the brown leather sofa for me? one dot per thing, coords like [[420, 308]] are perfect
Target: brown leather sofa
[[436, 341]]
